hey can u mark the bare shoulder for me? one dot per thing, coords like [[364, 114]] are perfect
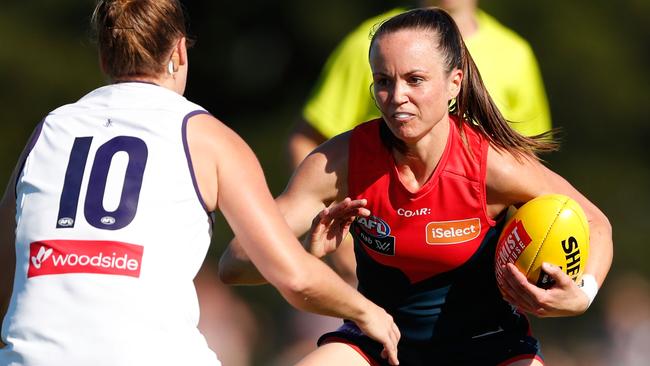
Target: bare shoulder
[[209, 136], [511, 180], [502, 170], [216, 152], [339, 141], [204, 127], [332, 155], [203, 121], [326, 168]]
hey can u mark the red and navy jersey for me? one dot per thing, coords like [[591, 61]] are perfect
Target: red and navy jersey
[[427, 257]]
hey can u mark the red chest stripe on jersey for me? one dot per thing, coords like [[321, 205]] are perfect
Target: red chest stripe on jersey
[[52, 257], [453, 232]]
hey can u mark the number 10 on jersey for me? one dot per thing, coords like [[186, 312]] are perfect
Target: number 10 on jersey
[[94, 211]]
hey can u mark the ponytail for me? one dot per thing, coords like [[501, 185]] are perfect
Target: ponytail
[[474, 106], [135, 38]]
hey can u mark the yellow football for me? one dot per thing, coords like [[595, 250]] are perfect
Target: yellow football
[[551, 228]]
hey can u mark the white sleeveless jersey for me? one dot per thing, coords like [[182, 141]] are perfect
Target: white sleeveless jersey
[[110, 233]]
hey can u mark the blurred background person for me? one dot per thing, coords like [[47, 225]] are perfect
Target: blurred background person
[[627, 321]]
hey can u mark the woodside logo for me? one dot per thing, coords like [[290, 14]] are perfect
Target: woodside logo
[[52, 257], [453, 232]]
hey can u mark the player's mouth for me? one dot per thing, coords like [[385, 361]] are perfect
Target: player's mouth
[[402, 117]]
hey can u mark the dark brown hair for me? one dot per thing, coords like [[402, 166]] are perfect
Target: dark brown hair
[[135, 37], [473, 105]]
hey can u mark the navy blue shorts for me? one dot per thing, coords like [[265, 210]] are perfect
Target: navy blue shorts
[[488, 349]]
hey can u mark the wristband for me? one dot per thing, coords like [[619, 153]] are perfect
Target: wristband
[[590, 287]]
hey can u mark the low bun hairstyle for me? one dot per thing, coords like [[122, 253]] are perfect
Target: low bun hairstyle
[[135, 37]]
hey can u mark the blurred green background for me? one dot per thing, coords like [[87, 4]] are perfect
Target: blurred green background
[[254, 64]]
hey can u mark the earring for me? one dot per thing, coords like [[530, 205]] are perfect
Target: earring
[[170, 67], [452, 105]]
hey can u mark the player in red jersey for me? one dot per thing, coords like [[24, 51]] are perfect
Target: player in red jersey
[[430, 183]]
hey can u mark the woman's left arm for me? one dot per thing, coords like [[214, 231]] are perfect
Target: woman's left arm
[[512, 181]]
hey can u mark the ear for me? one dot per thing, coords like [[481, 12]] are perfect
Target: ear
[[179, 54], [455, 81], [183, 53]]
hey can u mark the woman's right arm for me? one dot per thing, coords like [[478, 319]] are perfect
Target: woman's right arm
[[243, 197], [328, 230], [319, 179]]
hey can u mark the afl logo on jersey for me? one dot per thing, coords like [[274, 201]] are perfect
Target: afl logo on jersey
[[66, 222], [374, 233], [107, 220], [374, 226]]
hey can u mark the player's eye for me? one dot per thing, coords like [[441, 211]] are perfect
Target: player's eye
[[415, 80], [381, 81]]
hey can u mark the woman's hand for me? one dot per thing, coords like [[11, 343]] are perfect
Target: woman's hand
[[332, 225], [380, 326], [564, 298]]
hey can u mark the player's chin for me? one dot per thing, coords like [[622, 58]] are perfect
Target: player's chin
[[407, 132]]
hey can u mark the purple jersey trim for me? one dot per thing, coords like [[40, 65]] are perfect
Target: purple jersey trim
[[189, 158], [28, 149]]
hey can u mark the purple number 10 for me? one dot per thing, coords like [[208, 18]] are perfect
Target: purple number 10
[[94, 210]]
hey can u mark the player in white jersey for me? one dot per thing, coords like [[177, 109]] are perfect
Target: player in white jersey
[[107, 216]]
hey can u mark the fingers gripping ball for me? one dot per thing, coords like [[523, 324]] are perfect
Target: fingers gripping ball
[[551, 228]]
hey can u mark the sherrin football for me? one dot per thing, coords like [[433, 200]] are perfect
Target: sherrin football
[[551, 228]]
